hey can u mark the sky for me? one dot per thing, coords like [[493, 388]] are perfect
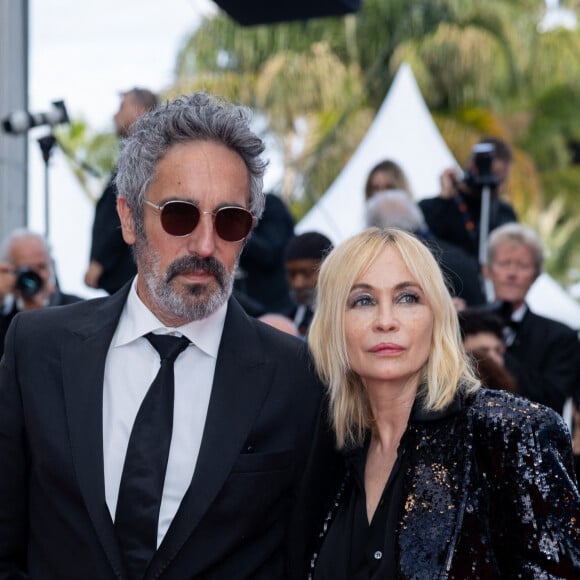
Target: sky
[[85, 53]]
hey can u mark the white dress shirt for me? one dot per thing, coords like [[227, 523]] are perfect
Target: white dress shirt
[[130, 368]]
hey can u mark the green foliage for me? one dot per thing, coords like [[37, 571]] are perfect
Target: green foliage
[[483, 67], [555, 126], [85, 149]]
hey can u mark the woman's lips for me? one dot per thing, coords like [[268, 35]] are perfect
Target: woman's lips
[[387, 347]]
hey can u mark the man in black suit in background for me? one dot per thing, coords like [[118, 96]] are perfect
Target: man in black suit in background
[[542, 354], [74, 384], [111, 261]]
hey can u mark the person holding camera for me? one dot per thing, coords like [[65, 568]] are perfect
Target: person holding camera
[[456, 214], [27, 278]]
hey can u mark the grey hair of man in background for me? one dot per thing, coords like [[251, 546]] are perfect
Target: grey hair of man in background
[[393, 208]]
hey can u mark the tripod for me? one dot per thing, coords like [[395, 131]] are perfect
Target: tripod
[[47, 144]]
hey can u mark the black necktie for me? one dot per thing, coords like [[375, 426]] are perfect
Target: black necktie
[[141, 487]]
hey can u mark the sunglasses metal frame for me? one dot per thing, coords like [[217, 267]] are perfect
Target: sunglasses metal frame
[[214, 213]]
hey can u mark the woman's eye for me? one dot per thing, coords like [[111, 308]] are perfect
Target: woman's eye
[[363, 300], [408, 298]]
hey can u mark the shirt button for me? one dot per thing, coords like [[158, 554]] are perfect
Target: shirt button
[[378, 555]]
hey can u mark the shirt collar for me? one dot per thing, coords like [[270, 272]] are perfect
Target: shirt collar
[[137, 321], [518, 315]]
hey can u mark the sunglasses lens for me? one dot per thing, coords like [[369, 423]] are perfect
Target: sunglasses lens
[[179, 218], [233, 224]]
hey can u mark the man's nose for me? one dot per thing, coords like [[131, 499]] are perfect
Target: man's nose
[[202, 239]]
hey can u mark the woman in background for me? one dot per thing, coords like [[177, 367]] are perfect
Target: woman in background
[[385, 175], [443, 479]]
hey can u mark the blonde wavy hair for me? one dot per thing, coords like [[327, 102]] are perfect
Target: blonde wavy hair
[[447, 369]]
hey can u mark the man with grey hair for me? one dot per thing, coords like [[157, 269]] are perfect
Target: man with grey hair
[[194, 476], [27, 277], [393, 208], [543, 354]]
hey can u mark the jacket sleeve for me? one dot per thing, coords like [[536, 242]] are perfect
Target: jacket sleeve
[[525, 454], [13, 467]]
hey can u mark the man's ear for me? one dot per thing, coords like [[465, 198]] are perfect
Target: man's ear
[[127, 221]]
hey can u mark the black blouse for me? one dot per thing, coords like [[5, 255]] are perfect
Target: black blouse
[[353, 548]]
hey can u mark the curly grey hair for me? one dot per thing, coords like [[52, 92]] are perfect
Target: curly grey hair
[[196, 117]]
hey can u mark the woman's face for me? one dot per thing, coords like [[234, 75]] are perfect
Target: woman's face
[[380, 181], [388, 324]]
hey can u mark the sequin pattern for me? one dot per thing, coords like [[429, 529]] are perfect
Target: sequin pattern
[[490, 493]]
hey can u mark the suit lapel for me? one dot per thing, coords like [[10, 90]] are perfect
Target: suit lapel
[[241, 382], [83, 363]]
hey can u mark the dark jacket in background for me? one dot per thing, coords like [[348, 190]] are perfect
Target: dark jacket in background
[[262, 274], [460, 269], [107, 245], [545, 360], [446, 221]]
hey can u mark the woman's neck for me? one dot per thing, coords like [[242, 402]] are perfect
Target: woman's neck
[[391, 409]]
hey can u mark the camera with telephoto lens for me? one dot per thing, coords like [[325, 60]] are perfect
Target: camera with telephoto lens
[[28, 282], [479, 173]]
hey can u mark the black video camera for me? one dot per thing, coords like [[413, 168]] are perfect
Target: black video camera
[[479, 173], [28, 282]]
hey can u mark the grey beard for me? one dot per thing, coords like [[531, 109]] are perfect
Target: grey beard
[[197, 302]]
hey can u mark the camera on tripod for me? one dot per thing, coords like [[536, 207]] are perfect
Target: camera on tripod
[[479, 173], [28, 282], [21, 121]]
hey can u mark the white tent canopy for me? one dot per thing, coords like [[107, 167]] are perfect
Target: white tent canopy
[[404, 131]]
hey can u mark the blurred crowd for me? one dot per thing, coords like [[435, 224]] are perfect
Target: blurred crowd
[[277, 272], [468, 230]]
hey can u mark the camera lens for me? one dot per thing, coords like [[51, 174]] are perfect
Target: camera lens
[[28, 282]]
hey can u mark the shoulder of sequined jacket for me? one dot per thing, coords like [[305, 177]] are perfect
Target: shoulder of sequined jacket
[[491, 494]]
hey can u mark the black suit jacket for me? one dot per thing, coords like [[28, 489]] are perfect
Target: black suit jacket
[[232, 522], [107, 245], [461, 270], [57, 298], [262, 263], [545, 360]]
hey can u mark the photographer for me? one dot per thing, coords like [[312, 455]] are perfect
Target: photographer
[[455, 215], [27, 278]]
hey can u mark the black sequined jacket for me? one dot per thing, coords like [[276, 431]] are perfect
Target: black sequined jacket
[[490, 492]]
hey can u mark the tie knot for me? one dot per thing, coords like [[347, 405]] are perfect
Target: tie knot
[[168, 347]]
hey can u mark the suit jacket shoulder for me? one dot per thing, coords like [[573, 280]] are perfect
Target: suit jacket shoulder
[[545, 359]]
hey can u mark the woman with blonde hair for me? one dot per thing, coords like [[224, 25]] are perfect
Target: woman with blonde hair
[[442, 478]]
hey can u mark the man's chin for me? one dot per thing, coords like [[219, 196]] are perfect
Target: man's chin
[[200, 288]]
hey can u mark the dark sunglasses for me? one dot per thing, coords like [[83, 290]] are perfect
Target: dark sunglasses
[[180, 218]]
